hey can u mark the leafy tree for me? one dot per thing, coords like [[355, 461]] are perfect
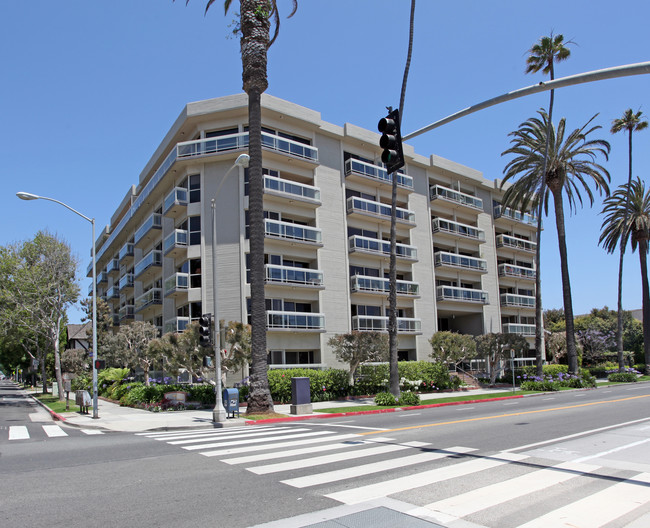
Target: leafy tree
[[104, 319], [357, 348], [554, 320], [254, 26], [495, 348], [627, 215], [555, 346], [75, 360], [238, 340], [595, 343], [631, 122], [570, 164], [542, 56], [134, 339], [451, 347], [184, 352]]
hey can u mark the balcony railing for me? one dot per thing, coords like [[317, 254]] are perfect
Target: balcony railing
[[511, 299], [379, 210], [516, 328], [518, 216], [362, 283], [153, 258], [177, 197], [176, 325], [126, 312], [290, 275], [453, 260], [516, 243], [153, 222], [148, 298], [291, 188], [102, 276], [518, 272], [126, 281], [451, 195], [113, 266], [288, 230], [113, 293], [126, 251], [177, 282], [454, 293], [440, 225], [177, 239], [378, 323], [294, 320], [381, 247], [353, 166]]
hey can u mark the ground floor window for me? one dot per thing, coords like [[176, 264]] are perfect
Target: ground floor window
[[294, 357]]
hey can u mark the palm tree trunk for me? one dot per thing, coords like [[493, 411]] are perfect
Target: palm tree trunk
[[572, 354], [643, 256]]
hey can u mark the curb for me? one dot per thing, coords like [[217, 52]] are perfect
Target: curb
[[55, 416], [376, 411]]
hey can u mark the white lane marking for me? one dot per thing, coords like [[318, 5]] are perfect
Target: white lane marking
[[233, 436], [249, 440], [53, 431], [340, 424], [18, 432], [92, 431], [614, 450]]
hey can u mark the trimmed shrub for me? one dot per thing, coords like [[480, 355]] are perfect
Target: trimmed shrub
[[408, 399], [385, 399], [622, 377]]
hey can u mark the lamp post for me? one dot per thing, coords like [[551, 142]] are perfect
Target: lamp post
[[30, 196], [219, 413]]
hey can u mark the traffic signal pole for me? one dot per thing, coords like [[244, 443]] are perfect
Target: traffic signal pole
[[219, 413]]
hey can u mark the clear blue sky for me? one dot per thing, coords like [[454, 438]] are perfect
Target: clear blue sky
[[89, 88]]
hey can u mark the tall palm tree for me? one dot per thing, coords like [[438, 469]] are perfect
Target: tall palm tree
[[627, 213], [542, 56], [570, 164], [631, 122], [255, 18]]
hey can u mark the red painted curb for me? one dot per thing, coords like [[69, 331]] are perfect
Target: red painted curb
[[376, 411]]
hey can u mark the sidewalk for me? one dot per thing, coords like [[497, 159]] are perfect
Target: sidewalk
[[112, 417]]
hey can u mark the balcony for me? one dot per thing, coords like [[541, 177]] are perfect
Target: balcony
[[519, 301], [149, 266], [276, 320], [516, 272], [456, 229], [177, 284], [292, 190], [126, 281], [378, 323], [148, 299], [462, 262], [374, 246], [176, 325], [112, 293], [102, 276], [147, 231], [126, 253], [175, 203], [126, 312], [175, 244], [379, 210], [364, 284], [465, 295], [517, 216], [293, 276], [292, 232], [113, 266], [527, 330], [375, 173], [521, 244], [455, 197]]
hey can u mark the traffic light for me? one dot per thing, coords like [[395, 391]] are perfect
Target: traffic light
[[205, 330], [100, 364], [391, 142]]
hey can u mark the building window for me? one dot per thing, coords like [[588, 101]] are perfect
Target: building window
[[293, 357], [195, 188], [194, 224]]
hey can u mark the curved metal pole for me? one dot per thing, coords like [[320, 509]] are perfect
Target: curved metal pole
[[627, 70]]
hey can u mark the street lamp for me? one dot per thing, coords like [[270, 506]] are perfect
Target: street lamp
[[219, 413], [30, 196]]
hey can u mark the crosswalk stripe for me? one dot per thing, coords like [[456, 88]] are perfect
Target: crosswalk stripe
[[18, 432], [249, 440], [91, 431], [589, 512], [425, 478], [329, 459], [195, 439], [53, 431], [484, 497], [279, 445], [207, 433], [302, 451], [150, 434]]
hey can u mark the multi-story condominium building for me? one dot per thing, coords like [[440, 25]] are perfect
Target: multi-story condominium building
[[464, 262]]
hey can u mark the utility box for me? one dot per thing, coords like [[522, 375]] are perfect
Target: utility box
[[300, 396], [230, 399], [83, 400]]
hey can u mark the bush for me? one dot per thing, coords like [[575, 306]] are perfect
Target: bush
[[408, 399], [204, 394], [554, 382], [385, 399], [324, 385], [622, 377]]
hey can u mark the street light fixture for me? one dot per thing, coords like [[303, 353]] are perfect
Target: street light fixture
[[219, 413], [30, 196]]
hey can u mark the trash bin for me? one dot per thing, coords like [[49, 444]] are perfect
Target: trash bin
[[300, 396], [230, 399]]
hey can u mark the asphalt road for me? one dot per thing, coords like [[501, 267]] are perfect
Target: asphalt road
[[577, 458]]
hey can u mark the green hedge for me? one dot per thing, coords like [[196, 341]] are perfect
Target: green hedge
[[622, 377]]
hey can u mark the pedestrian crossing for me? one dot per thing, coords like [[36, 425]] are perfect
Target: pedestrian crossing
[[36, 431], [447, 485]]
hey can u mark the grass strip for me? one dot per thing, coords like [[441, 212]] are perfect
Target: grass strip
[[53, 403]]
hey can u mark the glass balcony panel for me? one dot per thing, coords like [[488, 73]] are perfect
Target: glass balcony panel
[[508, 241], [378, 323], [290, 275], [442, 258], [374, 245], [176, 282], [456, 228], [511, 299], [291, 188], [361, 283], [113, 293], [295, 320], [113, 265], [516, 328], [178, 196], [126, 281], [451, 195], [102, 276], [153, 222], [288, 146], [148, 298], [176, 325], [454, 293], [376, 173], [126, 251], [512, 214], [292, 231], [153, 258], [177, 238], [362, 205], [126, 312], [510, 270]]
